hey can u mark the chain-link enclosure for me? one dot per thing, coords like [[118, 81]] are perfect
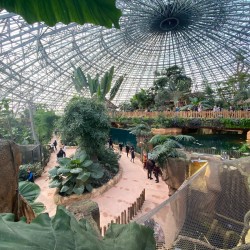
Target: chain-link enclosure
[[211, 210]]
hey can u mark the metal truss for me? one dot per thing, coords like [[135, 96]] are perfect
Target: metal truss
[[201, 36]]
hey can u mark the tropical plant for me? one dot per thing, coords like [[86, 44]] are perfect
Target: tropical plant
[[11, 127], [165, 146], [63, 231], [98, 88], [75, 175], [35, 168], [142, 99], [126, 106], [195, 102], [30, 191], [174, 82], [143, 134], [86, 121], [245, 148], [45, 121], [99, 12], [109, 160]]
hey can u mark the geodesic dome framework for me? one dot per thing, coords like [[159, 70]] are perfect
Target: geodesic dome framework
[[203, 37]]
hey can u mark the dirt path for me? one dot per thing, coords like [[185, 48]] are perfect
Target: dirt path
[[119, 197], [47, 194]]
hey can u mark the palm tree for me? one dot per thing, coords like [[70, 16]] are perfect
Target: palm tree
[[195, 102], [165, 146]]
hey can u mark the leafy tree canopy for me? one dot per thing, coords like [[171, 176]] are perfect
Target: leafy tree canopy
[[45, 123], [87, 121], [99, 12]]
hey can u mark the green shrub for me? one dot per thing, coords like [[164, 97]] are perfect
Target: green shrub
[[35, 168], [75, 175], [244, 148], [109, 159]]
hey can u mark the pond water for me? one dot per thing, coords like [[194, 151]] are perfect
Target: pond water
[[218, 141]]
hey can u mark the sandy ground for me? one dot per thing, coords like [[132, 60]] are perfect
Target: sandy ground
[[47, 194], [119, 197]]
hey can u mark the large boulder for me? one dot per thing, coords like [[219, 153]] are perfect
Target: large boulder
[[10, 159], [174, 173], [89, 210]]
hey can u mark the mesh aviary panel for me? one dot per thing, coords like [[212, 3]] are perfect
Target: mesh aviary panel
[[210, 211]]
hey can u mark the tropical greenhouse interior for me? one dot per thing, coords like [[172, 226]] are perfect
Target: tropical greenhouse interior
[[125, 124]]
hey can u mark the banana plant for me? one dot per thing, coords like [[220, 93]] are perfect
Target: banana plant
[[98, 88], [98, 12], [75, 175]]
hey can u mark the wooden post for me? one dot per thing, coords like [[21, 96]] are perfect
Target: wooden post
[[101, 230], [104, 230], [119, 219], [135, 208], [128, 214], [125, 217], [122, 218], [139, 202]]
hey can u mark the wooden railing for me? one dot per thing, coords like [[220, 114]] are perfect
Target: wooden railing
[[127, 215], [186, 114]]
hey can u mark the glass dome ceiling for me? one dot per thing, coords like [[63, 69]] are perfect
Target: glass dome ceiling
[[201, 36]]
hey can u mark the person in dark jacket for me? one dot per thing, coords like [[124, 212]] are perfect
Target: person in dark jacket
[[61, 153], [157, 171], [127, 149], [30, 176], [150, 166], [110, 141], [120, 147], [55, 145], [132, 155]]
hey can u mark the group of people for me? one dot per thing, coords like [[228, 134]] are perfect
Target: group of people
[[148, 164], [62, 151], [151, 167], [128, 149]]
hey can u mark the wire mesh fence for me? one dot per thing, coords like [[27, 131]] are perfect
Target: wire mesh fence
[[31, 153], [211, 210]]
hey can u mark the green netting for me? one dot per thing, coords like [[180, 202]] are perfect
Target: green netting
[[123, 136]]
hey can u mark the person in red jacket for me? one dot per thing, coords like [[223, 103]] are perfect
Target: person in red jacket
[[144, 160]]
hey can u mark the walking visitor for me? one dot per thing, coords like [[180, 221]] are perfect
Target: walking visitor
[[127, 149], [132, 155]]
